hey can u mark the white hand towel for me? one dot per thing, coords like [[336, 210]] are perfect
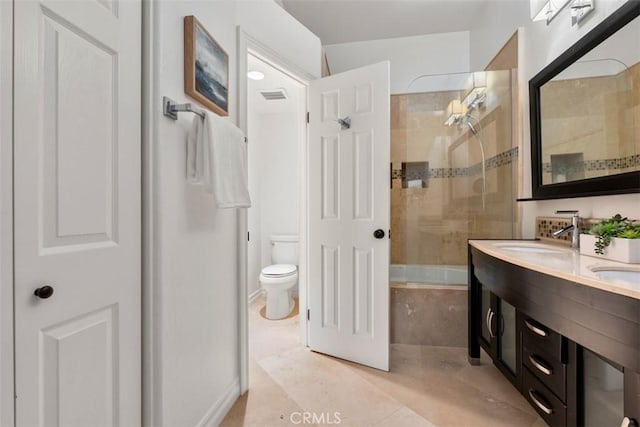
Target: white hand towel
[[224, 162], [195, 153]]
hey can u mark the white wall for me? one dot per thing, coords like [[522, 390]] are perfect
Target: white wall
[[410, 57], [497, 23], [273, 174], [191, 270], [545, 43], [195, 244], [274, 28], [6, 219], [540, 45]]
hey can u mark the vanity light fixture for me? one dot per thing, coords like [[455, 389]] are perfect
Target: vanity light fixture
[[580, 9], [454, 113], [546, 10], [255, 75], [476, 95]]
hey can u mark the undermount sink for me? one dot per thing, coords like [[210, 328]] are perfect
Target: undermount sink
[[626, 274], [534, 249]]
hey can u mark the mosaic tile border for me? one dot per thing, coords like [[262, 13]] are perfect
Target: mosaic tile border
[[502, 159], [546, 225], [603, 164]]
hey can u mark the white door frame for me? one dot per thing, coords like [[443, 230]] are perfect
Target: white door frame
[[6, 216], [151, 334], [250, 45]]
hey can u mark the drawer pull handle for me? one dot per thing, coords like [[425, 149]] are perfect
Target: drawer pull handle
[[489, 323], [486, 320], [540, 366], [536, 330], [544, 408]]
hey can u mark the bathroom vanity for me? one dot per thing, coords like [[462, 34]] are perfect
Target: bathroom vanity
[[563, 328]]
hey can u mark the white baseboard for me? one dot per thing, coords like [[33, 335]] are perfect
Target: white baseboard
[[219, 410], [255, 294]]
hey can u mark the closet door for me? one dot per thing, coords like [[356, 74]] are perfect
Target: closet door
[[77, 212]]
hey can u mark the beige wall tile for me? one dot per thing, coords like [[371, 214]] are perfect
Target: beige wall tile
[[423, 227], [507, 57], [428, 316]]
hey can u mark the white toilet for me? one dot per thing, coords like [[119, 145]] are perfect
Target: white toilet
[[279, 279]]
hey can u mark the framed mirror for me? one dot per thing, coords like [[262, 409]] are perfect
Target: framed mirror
[[585, 113]]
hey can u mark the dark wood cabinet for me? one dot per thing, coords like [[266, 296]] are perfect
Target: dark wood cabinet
[[548, 370], [552, 409], [498, 334], [572, 351]]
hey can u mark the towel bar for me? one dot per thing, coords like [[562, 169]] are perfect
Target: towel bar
[[171, 109]]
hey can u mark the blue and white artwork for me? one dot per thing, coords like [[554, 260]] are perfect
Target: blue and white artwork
[[212, 76]]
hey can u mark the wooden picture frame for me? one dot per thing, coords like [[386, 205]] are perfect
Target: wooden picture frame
[[206, 68]]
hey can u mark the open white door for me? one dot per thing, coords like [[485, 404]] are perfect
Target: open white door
[[349, 216], [77, 213]]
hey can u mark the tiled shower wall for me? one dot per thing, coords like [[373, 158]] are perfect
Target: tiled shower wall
[[431, 223]]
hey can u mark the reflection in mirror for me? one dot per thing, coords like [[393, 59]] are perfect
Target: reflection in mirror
[[590, 112], [585, 113]]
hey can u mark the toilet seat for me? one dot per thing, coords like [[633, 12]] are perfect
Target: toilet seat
[[278, 280], [279, 270]]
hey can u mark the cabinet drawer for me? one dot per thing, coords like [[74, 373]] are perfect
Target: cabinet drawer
[[536, 336], [549, 370], [550, 408]]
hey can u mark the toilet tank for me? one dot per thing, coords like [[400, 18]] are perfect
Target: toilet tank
[[284, 249]]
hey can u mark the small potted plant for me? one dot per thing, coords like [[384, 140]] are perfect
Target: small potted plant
[[616, 238]]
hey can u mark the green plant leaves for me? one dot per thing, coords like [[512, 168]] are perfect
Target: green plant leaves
[[630, 234], [616, 226]]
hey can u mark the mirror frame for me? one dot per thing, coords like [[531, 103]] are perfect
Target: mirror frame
[[623, 183]]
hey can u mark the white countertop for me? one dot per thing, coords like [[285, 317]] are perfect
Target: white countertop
[[562, 262]]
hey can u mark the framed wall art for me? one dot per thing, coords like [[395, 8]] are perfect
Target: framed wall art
[[206, 68]]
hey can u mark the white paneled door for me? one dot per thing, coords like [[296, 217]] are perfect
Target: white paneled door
[[77, 213], [349, 216]]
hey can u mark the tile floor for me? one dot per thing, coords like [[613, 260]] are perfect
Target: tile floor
[[427, 386]]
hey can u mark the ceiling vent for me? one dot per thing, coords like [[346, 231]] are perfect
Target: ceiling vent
[[274, 95]]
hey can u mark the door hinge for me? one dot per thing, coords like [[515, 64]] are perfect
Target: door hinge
[[308, 314], [307, 117]]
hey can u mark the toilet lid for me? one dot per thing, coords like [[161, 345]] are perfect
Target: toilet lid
[[279, 270]]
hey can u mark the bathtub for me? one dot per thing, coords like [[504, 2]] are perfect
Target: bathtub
[[418, 274], [428, 305]]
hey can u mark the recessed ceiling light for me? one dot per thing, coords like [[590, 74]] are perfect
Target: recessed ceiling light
[[255, 75]]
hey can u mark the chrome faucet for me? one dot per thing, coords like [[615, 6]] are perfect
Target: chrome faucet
[[575, 227]]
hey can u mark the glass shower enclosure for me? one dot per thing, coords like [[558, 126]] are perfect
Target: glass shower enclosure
[[453, 163]]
